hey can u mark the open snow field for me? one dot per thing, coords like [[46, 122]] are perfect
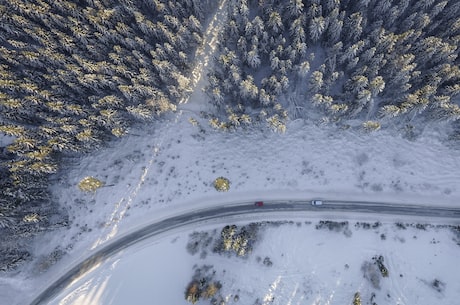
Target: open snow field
[[291, 263]]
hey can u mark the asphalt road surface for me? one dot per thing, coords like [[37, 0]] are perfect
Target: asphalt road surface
[[452, 215]]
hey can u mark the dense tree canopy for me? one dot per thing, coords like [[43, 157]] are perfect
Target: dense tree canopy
[[74, 74], [371, 59]]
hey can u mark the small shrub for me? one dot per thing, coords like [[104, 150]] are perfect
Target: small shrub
[[192, 293], [31, 218], [371, 126], [357, 299], [438, 285], [379, 261], [210, 291], [267, 262], [90, 184], [203, 285], [239, 241], [335, 226], [222, 184]]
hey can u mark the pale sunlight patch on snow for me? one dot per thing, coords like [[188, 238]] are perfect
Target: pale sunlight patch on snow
[[332, 293], [85, 269], [87, 294], [157, 270], [89, 288], [293, 294], [270, 296]]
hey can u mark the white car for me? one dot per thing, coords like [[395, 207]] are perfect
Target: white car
[[316, 202]]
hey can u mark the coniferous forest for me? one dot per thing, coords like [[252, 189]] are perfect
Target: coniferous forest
[[378, 61], [76, 74]]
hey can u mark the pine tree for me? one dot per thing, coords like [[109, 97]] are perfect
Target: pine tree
[[217, 95], [275, 22], [253, 58], [316, 81], [248, 89], [381, 8], [390, 111], [334, 29], [320, 100], [376, 85], [370, 126], [258, 26], [294, 8], [317, 28], [303, 69], [297, 31], [354, 27], [357, 83]]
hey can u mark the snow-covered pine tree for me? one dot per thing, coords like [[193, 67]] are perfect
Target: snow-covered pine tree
[[316, 81], [316, 28], [253, 58], [353, 28], [294, 8], [248, 89], [334, 29], [275, 23]]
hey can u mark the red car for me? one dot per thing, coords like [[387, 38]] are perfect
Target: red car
[[259, 203]]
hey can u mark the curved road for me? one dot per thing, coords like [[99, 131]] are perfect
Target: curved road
[[241, 208]]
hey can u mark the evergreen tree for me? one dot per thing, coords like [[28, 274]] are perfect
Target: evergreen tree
[[316, 81], [317, 28]]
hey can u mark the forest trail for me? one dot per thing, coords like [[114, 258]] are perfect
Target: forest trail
[[204, 54]]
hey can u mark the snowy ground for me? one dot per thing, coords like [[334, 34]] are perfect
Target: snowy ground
[[166, 169], [168, 166], [312, 266]]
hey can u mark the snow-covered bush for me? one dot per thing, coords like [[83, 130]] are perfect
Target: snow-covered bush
[[357, 299], [90, 184], [222, 184], [203, 286]]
